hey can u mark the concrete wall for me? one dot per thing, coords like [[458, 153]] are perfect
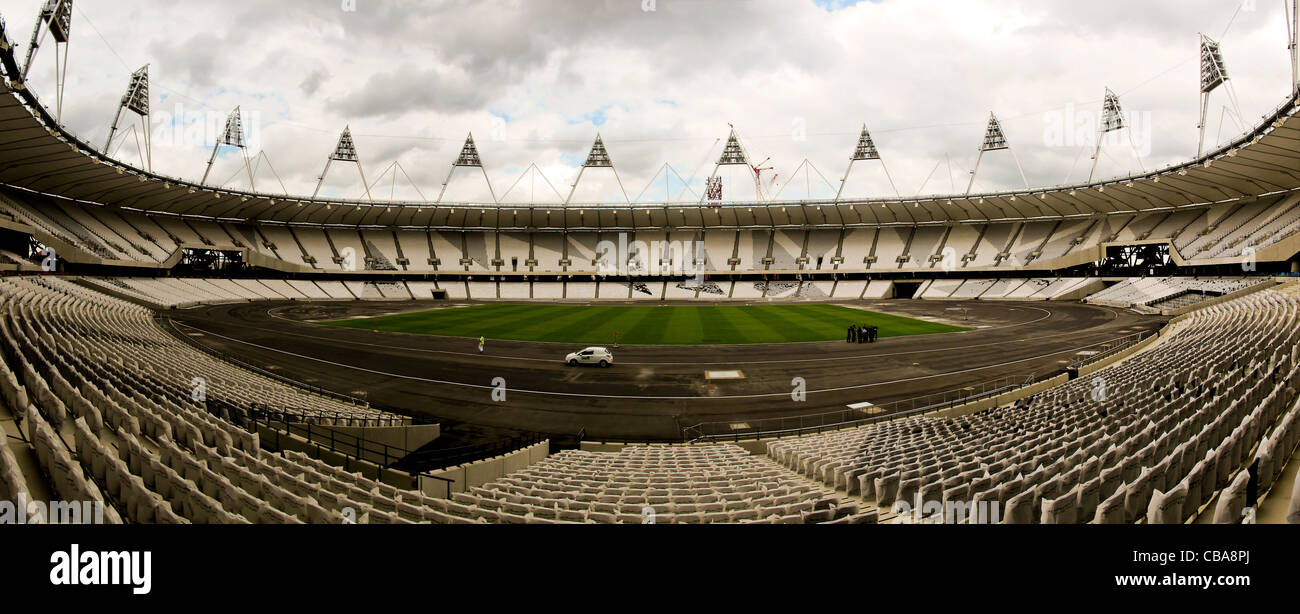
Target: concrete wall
[[483, 471], [274, 440], [440, 488], [403, 438]]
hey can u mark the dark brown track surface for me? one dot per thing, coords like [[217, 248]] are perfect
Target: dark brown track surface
[[652, 391]]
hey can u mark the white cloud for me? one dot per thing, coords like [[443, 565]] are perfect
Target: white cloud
[[412, 78]]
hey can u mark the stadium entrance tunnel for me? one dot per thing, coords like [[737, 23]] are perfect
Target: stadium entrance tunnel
[[18, 243], [906, 289]]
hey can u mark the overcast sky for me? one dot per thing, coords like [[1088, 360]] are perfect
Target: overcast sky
[[536, 80]]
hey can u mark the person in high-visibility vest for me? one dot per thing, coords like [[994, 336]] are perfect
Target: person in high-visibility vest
[[481, 341]]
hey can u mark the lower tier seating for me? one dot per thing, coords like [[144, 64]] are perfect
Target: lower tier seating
[[1149, 439]]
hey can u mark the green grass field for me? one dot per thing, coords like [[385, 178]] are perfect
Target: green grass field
[[647, 324]]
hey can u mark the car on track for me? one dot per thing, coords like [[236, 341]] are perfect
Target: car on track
[[590, 356]]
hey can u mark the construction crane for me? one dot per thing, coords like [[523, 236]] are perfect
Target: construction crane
[[758, 174], [756, 169]]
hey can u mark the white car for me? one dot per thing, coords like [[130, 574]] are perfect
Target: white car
[[590, 356]]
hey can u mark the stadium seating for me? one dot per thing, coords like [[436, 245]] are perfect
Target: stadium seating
[[1000, 289], [113, 352], [13, 486], [940, 288], [1293, 511], [878, 289], [1173, 429], [972, 288], [185, 292], [659, 484], [1167, 429], [1232, 500], [1217, 232], [1156, 290], [104, 373]]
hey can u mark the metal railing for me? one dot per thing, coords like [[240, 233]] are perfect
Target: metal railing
[[351, 446], [353, 449], [384, 455], [1110, 348], [748, 428], [319, 417]]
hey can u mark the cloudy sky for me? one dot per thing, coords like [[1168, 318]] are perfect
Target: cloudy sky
[[660, 80]]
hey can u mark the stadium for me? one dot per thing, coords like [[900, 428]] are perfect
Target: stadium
[[1120, 349]]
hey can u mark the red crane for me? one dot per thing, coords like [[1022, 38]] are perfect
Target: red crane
[[757, 169]]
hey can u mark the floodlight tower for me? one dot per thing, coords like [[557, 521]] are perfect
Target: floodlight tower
[[136, 100], [866, 150], [1293, 41], [344, 151], [233, 136], [598, 157], [1213, 74], [994, 140], [1112, 119], [469, 158], [734, 154], [56, 20]]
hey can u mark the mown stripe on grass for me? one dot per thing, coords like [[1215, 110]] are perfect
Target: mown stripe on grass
[[683, 324], [783, 326], [749, 327], [648, 324], [819, 323], [579, 328], [438, 319], [717, 327], [631, 325], [500, 317], [548, 324]]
